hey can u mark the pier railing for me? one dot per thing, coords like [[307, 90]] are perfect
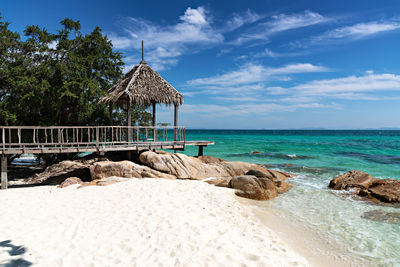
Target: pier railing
[[80, 137]]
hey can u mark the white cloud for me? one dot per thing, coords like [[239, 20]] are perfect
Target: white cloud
[[285, 22], [164, 44], [252, 73], [348, 33], [245, 109], [120, 42], [195, 16], [280, 23], [269, 53], [352, 87], [238, 20], [361, 30]]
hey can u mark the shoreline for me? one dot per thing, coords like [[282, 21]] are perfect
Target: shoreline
[[304, 238]]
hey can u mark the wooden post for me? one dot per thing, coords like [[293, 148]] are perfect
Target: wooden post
[[200, 151], [175, 122], [129, 120], [4, 180], [111, 116], [154, 121]]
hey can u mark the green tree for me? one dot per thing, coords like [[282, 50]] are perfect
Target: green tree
[[57, 78]]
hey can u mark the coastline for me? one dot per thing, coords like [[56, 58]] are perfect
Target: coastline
[[145, 221]]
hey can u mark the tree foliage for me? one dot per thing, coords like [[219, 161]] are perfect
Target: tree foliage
[[58, 78]]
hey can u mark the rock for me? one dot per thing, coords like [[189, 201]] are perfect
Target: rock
[[70, 181], [382, 216], [124, 169], [352, 179], [277, 177], [386, 190], [57, 173], [210, 159], [364, 185], [104, 181], [253, 187], [218, 181], [184, 167]]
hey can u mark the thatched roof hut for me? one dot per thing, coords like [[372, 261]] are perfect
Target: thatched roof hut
[[144, 87]]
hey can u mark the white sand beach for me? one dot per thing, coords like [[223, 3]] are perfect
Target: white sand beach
[[140, 222]]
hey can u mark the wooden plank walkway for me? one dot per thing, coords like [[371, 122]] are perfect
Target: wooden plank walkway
[[100, 139]]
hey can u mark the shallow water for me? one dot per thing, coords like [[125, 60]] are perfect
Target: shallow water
[[316, 157]]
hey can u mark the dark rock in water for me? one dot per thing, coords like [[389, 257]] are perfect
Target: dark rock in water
[[304, 169], [352, 179], [382, 216], [364, 185], [387, 190]]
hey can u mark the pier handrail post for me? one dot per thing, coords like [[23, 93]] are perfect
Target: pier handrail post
[[97, 136], [4, 138], [4, 179]]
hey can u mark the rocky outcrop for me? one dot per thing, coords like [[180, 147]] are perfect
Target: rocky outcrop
[[260, 184], [57, 173], [249, 180], [382, 216], [124, 169], [365, 185], [184, 167]]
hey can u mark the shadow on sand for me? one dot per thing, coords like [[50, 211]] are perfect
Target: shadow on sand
[[14, 251]]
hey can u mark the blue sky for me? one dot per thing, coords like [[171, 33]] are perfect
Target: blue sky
[[253, 64]]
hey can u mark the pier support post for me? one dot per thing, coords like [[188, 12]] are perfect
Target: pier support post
[[200, 151], [4, 180]]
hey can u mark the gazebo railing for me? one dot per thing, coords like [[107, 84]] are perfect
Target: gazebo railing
[[12, 137]]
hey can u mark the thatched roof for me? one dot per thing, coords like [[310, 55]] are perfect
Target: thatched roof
[[143, 86]]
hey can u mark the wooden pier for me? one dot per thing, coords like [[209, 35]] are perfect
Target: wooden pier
[[98, 139]]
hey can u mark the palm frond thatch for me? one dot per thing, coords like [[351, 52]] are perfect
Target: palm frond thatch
[[143, 86]]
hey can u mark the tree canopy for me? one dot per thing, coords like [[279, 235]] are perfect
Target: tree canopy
[[58, 78]]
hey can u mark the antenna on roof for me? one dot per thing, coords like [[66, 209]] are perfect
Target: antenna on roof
[[142, 54]]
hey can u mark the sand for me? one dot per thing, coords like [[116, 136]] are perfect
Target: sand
[[140, 222]]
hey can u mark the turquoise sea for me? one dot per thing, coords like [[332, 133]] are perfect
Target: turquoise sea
[[316, 156]]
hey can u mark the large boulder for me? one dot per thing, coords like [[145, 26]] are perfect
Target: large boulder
[[352, 179], [365, 185], [57, 173], [277, 177], [250, 186], [185, 167], [124, 169], [386, 190]]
